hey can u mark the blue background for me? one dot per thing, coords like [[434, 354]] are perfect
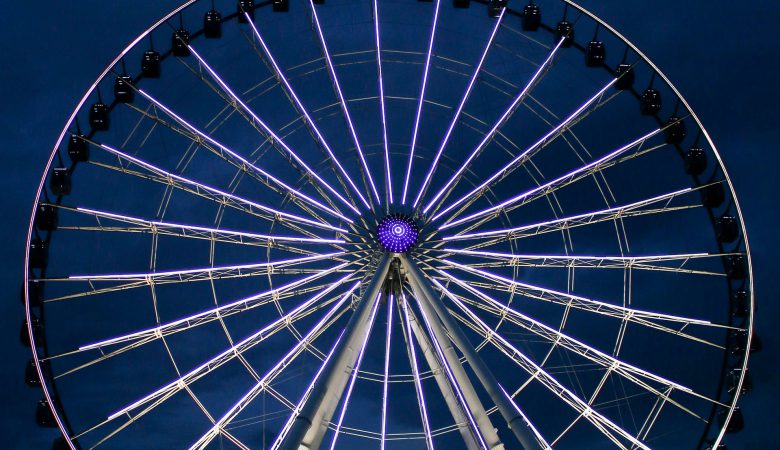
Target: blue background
[[723, 57]]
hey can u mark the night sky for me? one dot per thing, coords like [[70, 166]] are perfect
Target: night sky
[[723, 57]]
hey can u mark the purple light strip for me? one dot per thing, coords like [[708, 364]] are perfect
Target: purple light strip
[[201, 316], [353, 377], [604, 159], [273, 372], [416, 374], [270, 132], [241, 159], [420, 102], [232, 351], [387, 369], [538, 144], [453, 382], [459, 109], [340, 94], [489, 135], [574, 401], [382, 104], [303, 110], [605, 212], [215, 191]]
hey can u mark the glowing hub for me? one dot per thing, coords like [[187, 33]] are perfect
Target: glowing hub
[[397, 233]]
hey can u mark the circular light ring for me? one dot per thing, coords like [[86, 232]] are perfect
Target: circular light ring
[[397, 233]]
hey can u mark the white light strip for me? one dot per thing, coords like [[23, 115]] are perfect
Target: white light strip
[[241, 159], [214, 191], [205, 270], [219, 231], [303, 110], [161, 329], [233, 351], [343, 102], [526, 153], [382, 104], [490, 134], [354, 375], [585, 410], [261, 385], [416, 374], [550, 185], [421, 100], [270, 132], [459, 109], [387, 370], [604, 212]]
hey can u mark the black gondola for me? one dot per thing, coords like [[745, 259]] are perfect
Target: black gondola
[[650, 103], [78, 150], [60, 182], [35, 289], [595, 53], [713, 195], [180, 41], [281, 5], [461, 3], [565, 31], [31, 374], [39, 254], [495, 7], [736, 423], [123, 89], [675, 131], [98, 116], [37, 329], [726, 229], [532, 17], [44, 416], [736, 269], [212, 24], [150, 64], [246, 7], [625, 75], [46, 217], [734, 377], [740, 303], [695, 161], [60, 444]]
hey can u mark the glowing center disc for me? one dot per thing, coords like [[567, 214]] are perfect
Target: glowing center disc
[[397, 233]]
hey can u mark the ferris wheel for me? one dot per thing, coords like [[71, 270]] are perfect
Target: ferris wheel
[[393, 224]]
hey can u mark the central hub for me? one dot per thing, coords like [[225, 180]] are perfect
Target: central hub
[[397, 233]]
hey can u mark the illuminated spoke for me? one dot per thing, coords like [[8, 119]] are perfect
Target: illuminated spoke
[[409, 338], [216, 194], [344, 108], [302, 109], [450, 184], [264, 382], [420, 102], [610, 429], [647, 262], [609, 363], [212, 314], [276, 138], [459, 109], [386, 382], [545, 189], [523, 156], [353, 376], [388, 178], [638, 316], [663, 203], [239, 161]]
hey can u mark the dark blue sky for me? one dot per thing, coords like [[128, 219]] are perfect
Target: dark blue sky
[[722, 57]]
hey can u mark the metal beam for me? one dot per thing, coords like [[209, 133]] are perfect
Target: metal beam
[[514, 420], [311, 422], [486, 430], [441, 380]]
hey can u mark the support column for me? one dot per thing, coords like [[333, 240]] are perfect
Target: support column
[[311, 423], [485, 427], [513, 419], [444, 384]]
